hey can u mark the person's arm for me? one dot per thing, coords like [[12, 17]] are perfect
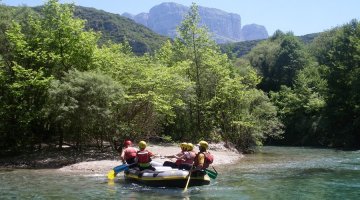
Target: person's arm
[[150, 154], [173, 156], [185, 155], [122, 156]]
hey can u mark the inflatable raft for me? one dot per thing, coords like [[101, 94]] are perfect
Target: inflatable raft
[[166, 177]]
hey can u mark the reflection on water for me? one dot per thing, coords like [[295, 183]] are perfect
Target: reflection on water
[[274, 173]]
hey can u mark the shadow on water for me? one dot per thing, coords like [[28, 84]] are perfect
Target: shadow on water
[[313, 171], [128, 190]]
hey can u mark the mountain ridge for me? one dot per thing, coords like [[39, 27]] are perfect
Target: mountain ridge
[[117, 28], [224, 26]]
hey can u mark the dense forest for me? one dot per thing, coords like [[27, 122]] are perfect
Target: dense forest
[[60, 84], [239, 49]]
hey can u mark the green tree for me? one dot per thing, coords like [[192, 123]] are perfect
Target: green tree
[[83, 107], [22, 97], [342, 57], [278, 60], [153, 91], [37, 49], [207, 67], [223, 102], [55, 41], [244, 114], [5, 21], [301, 107]]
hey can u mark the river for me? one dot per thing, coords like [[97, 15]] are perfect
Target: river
[[272, 173]]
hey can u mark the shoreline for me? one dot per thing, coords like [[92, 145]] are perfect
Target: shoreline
[[102, 162], [222, 156]]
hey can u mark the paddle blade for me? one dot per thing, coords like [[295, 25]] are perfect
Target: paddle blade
[[111, 175], [211, 174]]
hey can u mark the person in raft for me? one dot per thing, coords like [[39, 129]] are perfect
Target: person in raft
[[189, 156], [203, 159], [143, 157], [128, 154], [180, 157]]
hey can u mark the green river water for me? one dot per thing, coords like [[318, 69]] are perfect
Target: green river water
[[273, 173]]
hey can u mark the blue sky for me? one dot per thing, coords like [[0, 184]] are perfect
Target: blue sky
[[299, 16]]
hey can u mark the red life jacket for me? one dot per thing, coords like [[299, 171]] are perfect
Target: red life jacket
[[143, 156], [209, 158], [129, 152], [180, 160]]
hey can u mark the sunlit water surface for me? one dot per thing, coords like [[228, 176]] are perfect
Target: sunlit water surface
[[273, 173]]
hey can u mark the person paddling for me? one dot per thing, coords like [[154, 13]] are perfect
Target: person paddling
[[189, 156], [180, 157], [128, 154], [203, 159], [143, 157]]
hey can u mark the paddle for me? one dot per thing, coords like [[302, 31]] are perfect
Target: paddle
[[188, 180], [211, 174], [111, 174]]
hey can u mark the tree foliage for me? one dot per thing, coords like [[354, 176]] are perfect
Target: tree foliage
[[207, 68], [54, 41], [321, 106], [219, 105], [23, 92], [58, 86], [240, 49], [42, 47], [152, 89], [343, 109], [301, 106], [83, 107], [278, 60]]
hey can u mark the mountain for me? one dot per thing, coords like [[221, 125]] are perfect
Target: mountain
[[254, 32], [225, 27], [118, 28]]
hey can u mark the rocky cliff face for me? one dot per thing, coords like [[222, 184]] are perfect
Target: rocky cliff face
[[225, 27], [141, 18], [253, 32], [164, 18]]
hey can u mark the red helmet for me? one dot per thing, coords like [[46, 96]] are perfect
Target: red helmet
[[127, 143]]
